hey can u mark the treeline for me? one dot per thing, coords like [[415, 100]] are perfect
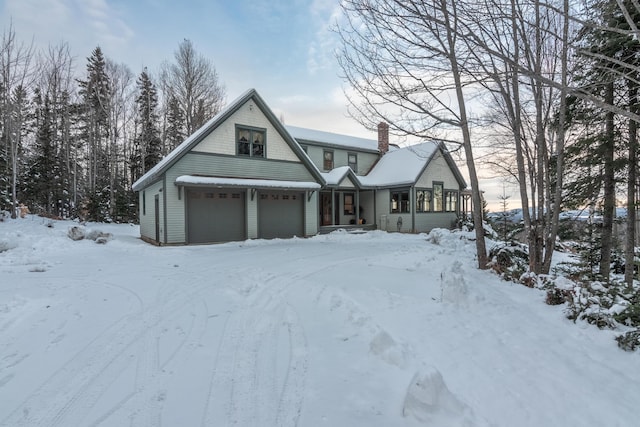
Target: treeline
[[544, 92], [74, 137]]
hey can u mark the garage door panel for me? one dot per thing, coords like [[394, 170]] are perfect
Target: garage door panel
[[216, 216], [280, 214]]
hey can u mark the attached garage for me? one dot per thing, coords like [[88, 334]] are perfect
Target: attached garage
[[280, 214], [216, 215]]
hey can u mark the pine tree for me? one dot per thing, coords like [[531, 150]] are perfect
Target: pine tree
[[175, 131], [95, 92], [603, 132], [43, 184], [148, 145]]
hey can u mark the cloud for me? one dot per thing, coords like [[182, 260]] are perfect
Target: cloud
[[321, 53], [84, 23]]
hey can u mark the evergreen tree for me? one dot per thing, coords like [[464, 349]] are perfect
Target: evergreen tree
[[596, 153], [148, 145], [174, 131], [42, 188], [95, 92]]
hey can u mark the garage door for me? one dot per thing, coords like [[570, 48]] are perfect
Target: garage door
[[216, 216], [280, 214]]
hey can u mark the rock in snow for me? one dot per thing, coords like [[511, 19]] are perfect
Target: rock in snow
[[76, 233]]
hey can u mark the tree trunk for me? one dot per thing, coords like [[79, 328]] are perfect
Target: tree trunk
[[629, 258], [476, 200], [609, 189], [557, 197]]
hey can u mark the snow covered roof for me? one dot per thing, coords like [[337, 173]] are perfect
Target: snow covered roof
[[335, 176], [400, 167], [208, 181], [334, 139]]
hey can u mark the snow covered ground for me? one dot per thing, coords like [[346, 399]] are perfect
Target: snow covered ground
[[368, 329]]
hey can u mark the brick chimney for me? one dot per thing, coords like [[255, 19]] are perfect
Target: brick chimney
[[383, 137]]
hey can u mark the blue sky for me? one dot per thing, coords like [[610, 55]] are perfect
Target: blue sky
[[284, 49]]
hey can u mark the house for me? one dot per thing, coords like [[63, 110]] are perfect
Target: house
[[245, 175]]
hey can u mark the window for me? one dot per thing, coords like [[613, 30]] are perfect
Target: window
[[423, 201], [251, 142], [348, 204], [144, 203], [437, 197], [305, 148], [352, 160], [328, 160], [451, 201], [400, 201]]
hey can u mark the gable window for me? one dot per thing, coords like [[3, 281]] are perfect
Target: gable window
[[451, 201], [438, 206], [423, 201], [328, 160], [400, 201], [250, 142], [352, 160], [348, 204]]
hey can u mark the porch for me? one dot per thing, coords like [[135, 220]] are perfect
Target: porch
[[346, 208]]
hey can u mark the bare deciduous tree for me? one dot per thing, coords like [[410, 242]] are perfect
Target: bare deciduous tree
[[403, 62], [192, 81], [15, 76]]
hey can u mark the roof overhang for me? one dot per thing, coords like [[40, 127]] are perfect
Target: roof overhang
[[261, 184]]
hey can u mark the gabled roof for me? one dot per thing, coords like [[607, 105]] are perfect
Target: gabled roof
[[405, 165], [158, 170], [334, 177], [329, 139]]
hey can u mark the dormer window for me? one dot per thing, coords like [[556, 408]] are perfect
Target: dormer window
[[250, 141]]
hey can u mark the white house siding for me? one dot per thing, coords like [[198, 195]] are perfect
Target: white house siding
[[347, 183], [223, 139], [438, 170], [148, 218]]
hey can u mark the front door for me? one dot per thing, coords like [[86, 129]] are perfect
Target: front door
[[325, 208], [157, 214]]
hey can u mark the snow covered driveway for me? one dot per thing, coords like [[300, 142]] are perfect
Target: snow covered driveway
[[371, 329]]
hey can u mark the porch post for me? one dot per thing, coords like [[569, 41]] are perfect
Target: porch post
[[333, 207], [357, 207], [375, 209], [412, 206]]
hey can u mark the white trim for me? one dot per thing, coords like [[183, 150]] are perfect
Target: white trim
[[212, 181]]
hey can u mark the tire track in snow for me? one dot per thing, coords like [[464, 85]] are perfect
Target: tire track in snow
[[244, 376], [67, 395]]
